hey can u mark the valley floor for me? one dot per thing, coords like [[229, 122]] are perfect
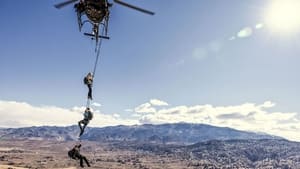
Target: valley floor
[[49, 154], [38, 154]]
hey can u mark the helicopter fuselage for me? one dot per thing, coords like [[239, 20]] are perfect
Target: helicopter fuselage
[[97, 13], [95, 10]]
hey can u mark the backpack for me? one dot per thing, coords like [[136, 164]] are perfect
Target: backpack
[[88, 115], [71, 153], [85, 80]]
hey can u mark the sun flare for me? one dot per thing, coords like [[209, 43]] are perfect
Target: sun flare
[[283, 16]]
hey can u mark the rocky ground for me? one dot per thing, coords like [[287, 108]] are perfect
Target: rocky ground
[[49, 154], [264, 154]]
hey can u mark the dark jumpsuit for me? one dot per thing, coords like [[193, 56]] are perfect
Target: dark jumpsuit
[[75, 154]]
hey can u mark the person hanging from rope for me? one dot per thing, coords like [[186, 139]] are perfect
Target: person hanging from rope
[[74, 153], [88, 80], [88, 115]]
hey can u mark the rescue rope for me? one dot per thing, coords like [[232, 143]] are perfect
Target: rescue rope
[[97, 51], [88, 103]]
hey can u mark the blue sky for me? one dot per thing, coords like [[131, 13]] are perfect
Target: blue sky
[[196, 52]]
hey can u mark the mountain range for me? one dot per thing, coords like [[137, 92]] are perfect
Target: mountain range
[[177, 133]]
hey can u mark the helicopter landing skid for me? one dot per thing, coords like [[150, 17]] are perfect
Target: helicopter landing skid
[[93, 36]]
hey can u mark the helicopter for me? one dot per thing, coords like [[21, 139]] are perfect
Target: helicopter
[[97, 13]]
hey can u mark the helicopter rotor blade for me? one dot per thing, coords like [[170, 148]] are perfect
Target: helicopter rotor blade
[[134, 7], [62, 4]]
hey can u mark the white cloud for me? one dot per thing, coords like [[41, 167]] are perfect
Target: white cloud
[[247, 116], [267, 104], [96, 104], [116, 115], [21, 114], [148, 107], [244, 33], [128, 110], [145, 108], [156, 102]]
